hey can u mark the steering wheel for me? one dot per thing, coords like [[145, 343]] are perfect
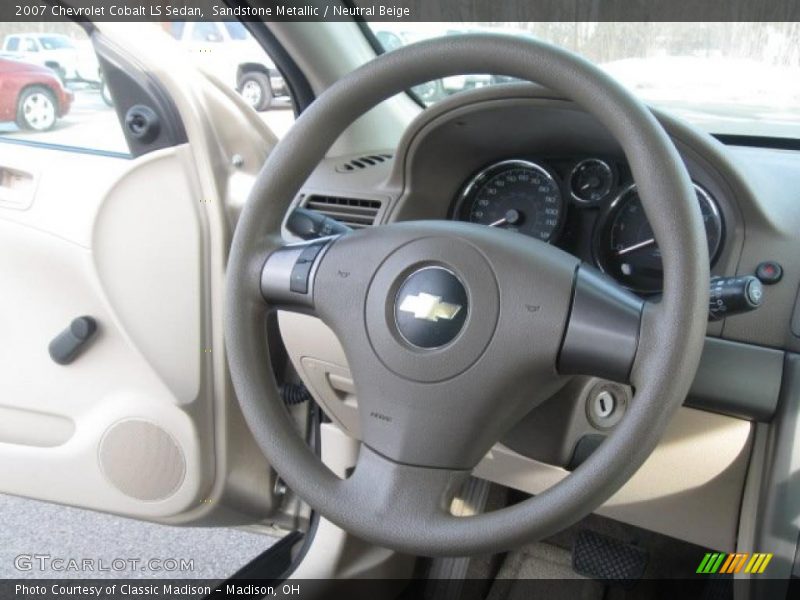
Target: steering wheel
[[454, 331]]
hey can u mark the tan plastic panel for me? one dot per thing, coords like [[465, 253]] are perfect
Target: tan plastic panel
[[690, 488], [55, 416], [148, 257], [33, 428], [125, 242], [325, 52], [334, 384]]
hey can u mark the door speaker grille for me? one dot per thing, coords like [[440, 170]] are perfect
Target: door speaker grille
[[142, 460]]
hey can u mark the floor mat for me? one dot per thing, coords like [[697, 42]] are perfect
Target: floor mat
[[542, 570], [607, 559], [545, 569]]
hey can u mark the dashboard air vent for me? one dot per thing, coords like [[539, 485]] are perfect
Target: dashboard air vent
[[354, 212], [362, 162]]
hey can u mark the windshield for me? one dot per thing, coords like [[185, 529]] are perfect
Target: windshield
[[55, 42], [728, 78]]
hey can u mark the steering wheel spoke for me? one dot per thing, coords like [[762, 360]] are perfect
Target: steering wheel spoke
[[398, 492], [289, 273], [602, 333]]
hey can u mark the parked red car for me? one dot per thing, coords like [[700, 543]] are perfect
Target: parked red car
[[31, 95]]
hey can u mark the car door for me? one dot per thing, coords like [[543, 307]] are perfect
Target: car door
[[114, 224]]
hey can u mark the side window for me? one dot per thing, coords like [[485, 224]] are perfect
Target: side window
[[241, 63], [52, 90], [389, 41], [55, 95]]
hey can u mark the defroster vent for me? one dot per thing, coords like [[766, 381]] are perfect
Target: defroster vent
[[363, 162]]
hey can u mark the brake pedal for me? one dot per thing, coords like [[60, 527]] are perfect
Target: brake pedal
[[606, 559]]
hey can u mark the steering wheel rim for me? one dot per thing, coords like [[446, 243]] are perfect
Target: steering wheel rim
[[400, 505]]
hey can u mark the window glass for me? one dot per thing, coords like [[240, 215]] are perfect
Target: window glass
[[52, 90], [735, 78], [175, 28], [205, 32], [55, 42], [236, 30], [234, 57], [389, 40]]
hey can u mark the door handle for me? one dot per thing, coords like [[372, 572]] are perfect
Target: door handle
[[17, 188]]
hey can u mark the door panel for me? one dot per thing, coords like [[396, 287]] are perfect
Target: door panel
[[125, 249], [147, 248], [136, 425], [144, 421]]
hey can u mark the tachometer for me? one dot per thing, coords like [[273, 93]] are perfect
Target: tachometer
[[626, 249], [516, 195]]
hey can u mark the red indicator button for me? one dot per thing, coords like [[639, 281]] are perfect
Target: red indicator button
[[769, 272]]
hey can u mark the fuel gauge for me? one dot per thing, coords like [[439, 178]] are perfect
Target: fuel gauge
[[591, 181]]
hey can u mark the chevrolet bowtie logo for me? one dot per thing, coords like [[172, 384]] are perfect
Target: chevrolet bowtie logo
[[429, 307]]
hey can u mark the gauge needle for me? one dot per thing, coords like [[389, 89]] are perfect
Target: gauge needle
[[643, 244], [511, 217]]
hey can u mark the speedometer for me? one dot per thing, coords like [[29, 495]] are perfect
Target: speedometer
[[625, 246], [516, 195]]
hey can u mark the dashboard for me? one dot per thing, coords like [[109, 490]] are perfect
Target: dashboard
[[520, 158], [564, 201]]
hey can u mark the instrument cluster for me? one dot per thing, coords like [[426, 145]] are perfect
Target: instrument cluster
[[539, 199]]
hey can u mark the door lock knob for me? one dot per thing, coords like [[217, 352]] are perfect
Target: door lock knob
[[68, 344]]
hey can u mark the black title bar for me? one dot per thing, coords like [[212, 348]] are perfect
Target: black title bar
[[402, 10]]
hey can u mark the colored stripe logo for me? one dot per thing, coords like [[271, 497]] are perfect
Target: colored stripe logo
[[720, 562]]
